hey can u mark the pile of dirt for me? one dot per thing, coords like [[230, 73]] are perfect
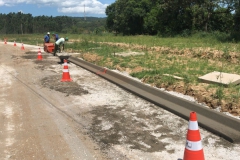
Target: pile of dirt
[[204, 53], [91, 57], [68, 88], [204, 96]]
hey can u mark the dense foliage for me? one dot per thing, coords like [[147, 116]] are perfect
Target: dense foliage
[[136, 17], [171, 17], [19, 23]]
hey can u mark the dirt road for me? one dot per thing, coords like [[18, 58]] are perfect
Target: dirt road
[[89, 118], [32, 125]]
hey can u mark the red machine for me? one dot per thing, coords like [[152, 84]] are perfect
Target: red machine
[[49, 47]]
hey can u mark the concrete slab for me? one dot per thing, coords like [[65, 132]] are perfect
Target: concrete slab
[[220, 78]]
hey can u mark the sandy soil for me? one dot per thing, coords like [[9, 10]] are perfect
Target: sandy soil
[[89, 118], [32, 125]]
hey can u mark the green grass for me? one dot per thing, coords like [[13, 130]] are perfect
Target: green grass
[[195, 41], [156, 63]]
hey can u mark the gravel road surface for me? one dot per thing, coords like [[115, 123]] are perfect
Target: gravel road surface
[[43, 118]]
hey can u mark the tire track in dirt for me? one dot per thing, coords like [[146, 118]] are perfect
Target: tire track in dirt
[[7, 108]]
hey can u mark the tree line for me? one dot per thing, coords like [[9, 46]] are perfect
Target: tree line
[[20, 23], [171, 17], [136, 17]]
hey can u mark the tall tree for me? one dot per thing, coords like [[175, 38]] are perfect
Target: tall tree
[[169, 16]]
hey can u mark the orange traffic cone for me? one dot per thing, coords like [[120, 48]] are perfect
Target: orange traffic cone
[[65, 75], [22, 48], [193, 149], [5, 41], [65, 64], [15, 44], [39, 57]]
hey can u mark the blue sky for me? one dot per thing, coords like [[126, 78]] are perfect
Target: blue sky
[[75, 8]]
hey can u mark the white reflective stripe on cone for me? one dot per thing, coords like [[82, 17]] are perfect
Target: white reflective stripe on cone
[[193, 146], [65, 70], [39, 53], [193, 125]]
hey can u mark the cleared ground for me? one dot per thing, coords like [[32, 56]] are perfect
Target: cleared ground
[[89, 118]]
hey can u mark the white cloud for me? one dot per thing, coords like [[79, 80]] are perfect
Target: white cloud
[[64, 6], [91, 6]]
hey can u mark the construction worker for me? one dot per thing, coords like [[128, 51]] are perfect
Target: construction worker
[[58, 44], [47, 38], [55, 37]]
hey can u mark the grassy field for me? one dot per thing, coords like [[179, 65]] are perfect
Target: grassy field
[[214, 41], [186, 57]]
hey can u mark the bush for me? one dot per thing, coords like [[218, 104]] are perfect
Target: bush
[[186, 33], [235, 36]]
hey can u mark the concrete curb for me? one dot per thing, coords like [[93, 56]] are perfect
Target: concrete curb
[[213, 121]]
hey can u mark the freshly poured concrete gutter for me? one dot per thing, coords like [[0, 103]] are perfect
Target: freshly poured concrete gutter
[[215, 122]]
